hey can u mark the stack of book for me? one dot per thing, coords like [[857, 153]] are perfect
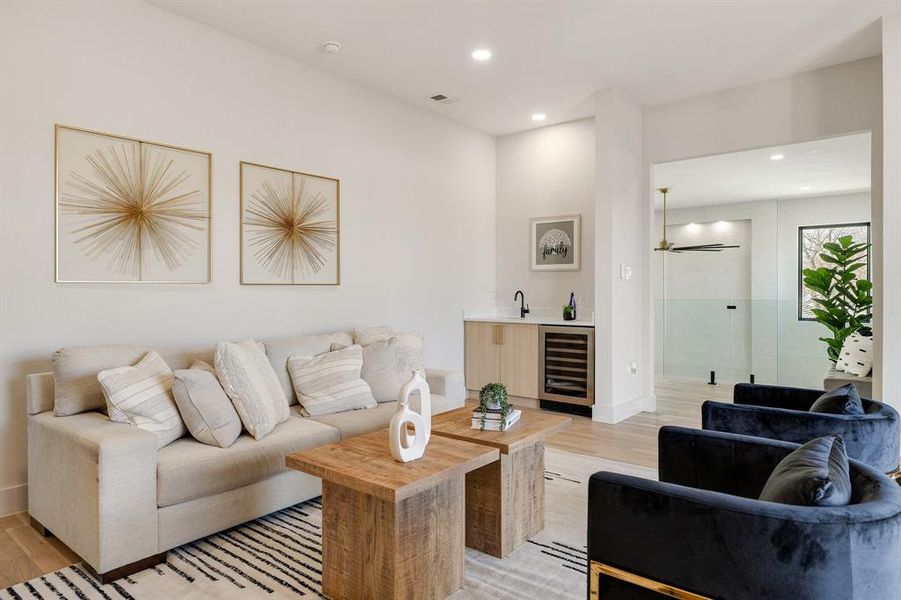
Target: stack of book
[[493, 419]]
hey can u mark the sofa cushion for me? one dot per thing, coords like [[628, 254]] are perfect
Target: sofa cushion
[[388, 364], [248, 379], [369, 335], [205, 407], [330, 382], [187, 469], [357, 422], [279, 350], [75, 368], [816, 474], [842, 400], [141, 395]]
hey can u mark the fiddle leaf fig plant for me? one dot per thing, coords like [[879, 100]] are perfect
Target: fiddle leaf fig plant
[[844, 300]]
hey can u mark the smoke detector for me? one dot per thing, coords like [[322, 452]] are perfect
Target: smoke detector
[[332, 47], [444, 99]]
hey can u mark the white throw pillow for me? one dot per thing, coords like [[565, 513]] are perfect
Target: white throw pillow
[[370, 335], [856, 356], [389, 364], [142, 395], [330, 382], [247, 377], [205, 407]]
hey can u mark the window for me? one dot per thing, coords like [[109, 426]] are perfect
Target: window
[[810, 245]]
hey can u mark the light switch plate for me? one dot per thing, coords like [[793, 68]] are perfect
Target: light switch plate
[[625, 272]]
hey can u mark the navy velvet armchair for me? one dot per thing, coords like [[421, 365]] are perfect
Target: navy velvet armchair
[[781, 413], [700, 532]]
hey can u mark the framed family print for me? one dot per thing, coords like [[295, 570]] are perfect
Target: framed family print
[[289, 227], [128, 210], [554, 243]]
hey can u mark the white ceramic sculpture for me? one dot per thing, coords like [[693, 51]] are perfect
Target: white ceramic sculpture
[[406, 446]]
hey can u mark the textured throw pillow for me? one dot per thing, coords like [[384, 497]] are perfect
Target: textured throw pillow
[[369, 335], [330, 382], [205, 407], [389, 364], [142, 395], [856, 356], [816, 474], [203, 366], [842, 400], [247, 377]]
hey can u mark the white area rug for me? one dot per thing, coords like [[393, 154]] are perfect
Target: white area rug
[[279, 556]]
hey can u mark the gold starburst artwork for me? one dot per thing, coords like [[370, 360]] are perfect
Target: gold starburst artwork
[[134, 206], [288, 228]]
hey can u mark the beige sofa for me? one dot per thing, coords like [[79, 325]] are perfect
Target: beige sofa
[[106, 491]]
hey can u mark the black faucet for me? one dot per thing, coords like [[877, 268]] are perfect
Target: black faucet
[[523, 307]]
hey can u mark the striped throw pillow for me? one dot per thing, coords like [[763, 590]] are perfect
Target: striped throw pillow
[[330, 382], [142, 396], [247, 377]]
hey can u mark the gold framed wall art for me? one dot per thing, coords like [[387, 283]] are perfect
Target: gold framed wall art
[[290, 227], [129, 210]]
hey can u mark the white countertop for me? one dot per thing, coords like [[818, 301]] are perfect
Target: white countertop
[[535, 320]]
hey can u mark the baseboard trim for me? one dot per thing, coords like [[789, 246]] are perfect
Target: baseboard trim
[[13, 499], [621, 412]]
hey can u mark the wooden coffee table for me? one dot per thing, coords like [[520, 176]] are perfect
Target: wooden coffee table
[[504, 499], [390, 529]]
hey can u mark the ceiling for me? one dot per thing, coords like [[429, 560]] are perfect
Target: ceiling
[[828, 166], [550, 56]]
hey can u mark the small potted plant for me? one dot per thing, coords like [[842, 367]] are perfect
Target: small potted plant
[[493, 399], [569, 313]]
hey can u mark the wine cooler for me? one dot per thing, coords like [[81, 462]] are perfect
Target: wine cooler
[[566, 357]]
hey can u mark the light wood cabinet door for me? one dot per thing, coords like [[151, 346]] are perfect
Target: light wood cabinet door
[[519, 359], [482, 354]]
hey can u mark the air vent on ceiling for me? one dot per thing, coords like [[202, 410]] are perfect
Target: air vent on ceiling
[[444, 99]]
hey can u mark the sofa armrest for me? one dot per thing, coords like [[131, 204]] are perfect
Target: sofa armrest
[[722, 462], [39, 393], [92, 483], [447, 383], [715, 544]]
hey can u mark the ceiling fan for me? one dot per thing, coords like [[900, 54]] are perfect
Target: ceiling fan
[[665, 246]]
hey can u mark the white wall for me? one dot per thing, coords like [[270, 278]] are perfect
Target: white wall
[[887, 223], [622, 306], [541, 173], [825, 102], [783, 349], [417, 192]]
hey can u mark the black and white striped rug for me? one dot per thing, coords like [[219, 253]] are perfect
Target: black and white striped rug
[[280, 555]]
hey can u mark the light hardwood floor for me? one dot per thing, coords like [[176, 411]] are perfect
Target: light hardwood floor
[[634, 440], [25, 554]]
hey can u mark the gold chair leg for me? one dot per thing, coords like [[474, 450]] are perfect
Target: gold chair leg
[[598, 569]]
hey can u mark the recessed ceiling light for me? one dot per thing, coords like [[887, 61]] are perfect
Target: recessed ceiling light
[[481, 54], [777, 156], [539, 117], [804, 188]]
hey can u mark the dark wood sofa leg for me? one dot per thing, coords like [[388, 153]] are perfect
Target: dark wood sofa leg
[[37, 526], [126, 570]]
